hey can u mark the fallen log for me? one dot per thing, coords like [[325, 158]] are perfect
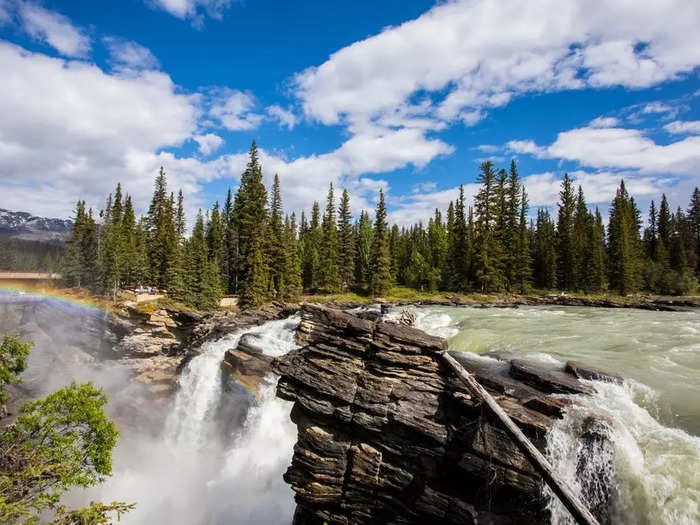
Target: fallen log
[[567, 496]]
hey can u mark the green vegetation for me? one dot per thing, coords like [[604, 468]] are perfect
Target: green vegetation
[[30, 256], [250, 248], [62, 441]]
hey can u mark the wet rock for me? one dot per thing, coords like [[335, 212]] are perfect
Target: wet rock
[[582, 371], [388, 435]]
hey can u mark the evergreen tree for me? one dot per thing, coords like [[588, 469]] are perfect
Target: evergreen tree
[[594, 266], [580, 242], [566, 263], [438, 243], [158, 227], [623, 235], [251, 220], [329, 278], [311, 260], [515, 232], [487, 250], [380, 278], [276, 241], [346, 243], [459, 246], [545, 253], [363, 242], [694, 226], [292, 266], [522, 261]]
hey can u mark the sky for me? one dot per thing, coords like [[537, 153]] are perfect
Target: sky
[[408, 96]]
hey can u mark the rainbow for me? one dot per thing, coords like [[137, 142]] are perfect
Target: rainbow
[[17, 292]]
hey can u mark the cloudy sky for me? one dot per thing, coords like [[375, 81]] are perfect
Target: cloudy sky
[[408, 96]]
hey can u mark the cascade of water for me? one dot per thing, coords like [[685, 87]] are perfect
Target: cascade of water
[[653, 468]]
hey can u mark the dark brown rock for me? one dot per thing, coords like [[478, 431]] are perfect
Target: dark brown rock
[[387, 435]]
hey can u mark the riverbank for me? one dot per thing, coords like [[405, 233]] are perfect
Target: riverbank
[[402, 296]]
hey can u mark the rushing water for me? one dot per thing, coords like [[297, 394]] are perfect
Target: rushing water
[[655, 464]]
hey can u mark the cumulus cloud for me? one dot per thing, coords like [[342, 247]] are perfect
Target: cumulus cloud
[[284, 116], [128, 54], [54, 29], [540, 46], [683, 126], [193, 9], [208, 143], [233, 109], [618, 148], [604, 122]]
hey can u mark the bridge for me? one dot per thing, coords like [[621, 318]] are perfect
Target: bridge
[[29, 276]]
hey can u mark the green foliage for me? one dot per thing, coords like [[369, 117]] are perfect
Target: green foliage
[[346, 244], [380, 278], [62, 441], [13, 361], [329, 276]]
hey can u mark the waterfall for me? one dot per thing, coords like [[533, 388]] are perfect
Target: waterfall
[[653, 469], [192, 474]]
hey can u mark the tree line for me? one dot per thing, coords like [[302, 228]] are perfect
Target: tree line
[[29, 255], [249, 247]]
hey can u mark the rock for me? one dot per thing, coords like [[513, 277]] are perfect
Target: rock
[[582, 371], [388, 435]]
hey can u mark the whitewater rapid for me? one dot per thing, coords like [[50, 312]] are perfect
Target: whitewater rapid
[[653, 466]]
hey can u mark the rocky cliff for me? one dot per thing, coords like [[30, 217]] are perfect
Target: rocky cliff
[[387, 435]]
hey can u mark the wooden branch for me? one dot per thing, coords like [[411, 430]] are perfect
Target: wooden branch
[[565, 494]]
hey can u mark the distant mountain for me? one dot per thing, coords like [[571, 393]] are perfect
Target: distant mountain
[[23, 225]]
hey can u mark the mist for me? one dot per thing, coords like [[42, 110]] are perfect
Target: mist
[[213, 454]]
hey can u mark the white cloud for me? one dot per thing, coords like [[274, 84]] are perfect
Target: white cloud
[[233, 109], [208, 143], [525, 146], [540, 45], [284, 116], [683, 126], [54, 29], [488, 148], [604, 122], [128, 54], [658, 107], [193, 9], [71, 130]]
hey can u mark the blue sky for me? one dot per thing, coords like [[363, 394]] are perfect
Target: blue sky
[[406, 96]]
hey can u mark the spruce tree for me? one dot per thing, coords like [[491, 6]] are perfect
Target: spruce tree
[[251, 220], [276, 242], [624, 250], [460, 246], [380, 278], [346, 243], [594, 267], [580, 242], [514, 231], [566, 265], [292, 266], [487, 250], [363, 243], [694, 225], [329, 278], [522, 261], [545, 253]]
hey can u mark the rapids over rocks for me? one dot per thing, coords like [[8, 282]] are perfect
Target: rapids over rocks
[[217, 452]]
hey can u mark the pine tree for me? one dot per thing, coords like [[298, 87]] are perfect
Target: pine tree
[[623, 235], [595, 264], [311, 241], [651, 233], [580, 242], [487, 250], [363, 242], [292, 266], [664, 231], [346, 243], [159, 215], [566, 264], [545, 253], [438, 243], [522, 261], [514, 232], [329, 278], [276, 242], [251, 219], [380, 278], [459, 246], [694, 227]]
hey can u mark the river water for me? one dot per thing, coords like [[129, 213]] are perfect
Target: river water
[[189, 467], [656, 415]]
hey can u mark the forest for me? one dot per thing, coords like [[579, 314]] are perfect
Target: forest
[[26, 255], [248, 246]]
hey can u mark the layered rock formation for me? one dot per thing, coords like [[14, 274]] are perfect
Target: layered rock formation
[[388, 435]]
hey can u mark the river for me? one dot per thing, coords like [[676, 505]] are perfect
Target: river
[[181, 463], [656, 415]]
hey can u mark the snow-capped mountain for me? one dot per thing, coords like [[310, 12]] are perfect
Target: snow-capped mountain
[[24, 225]]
